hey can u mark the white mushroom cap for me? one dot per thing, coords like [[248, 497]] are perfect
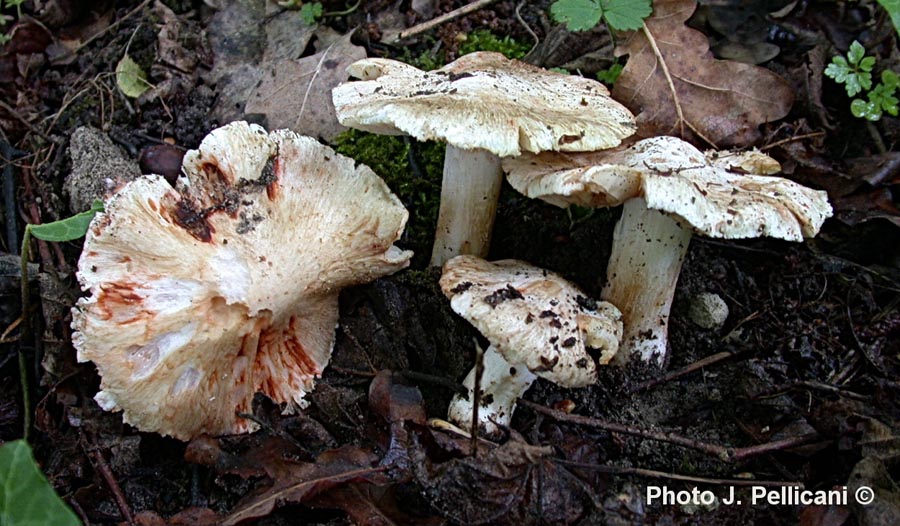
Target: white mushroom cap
[[483, 101], [534, 317], [708, 192], [203, 296]]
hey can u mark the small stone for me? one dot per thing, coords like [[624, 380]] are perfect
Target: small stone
[[99, 168], [708, 310]]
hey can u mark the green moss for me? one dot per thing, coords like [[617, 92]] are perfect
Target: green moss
[[412, 170], [484, 40]]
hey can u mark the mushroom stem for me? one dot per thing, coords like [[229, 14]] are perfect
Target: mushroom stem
[[648, 249], [502, 383], [469, 193]]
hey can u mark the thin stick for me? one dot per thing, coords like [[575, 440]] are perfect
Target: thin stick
[[699, 364], [110, 479], [476, 396], [390, 38], [436, 380], [107, 29], [18, 116], [675, 476], [665, 69], [723, 453], [792, 139]]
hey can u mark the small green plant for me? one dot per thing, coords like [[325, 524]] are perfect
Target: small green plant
[[67, 229], [26, 498], [582, 15], [855, 72], [311, 13], [4, 38], [484, 40], [611, 74]]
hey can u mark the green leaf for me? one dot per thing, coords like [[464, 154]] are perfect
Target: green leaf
[[865, 110], [577, 15], [66, 229], [310, 13], [890, 79], [26, 498], [131, 78], [893, 10], [855, 53], [625, 15], [838, 69], [611, 74]]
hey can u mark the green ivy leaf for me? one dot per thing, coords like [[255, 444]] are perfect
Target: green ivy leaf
[[26, 498], [67, 229], [130, 78], [577, 15], [625, 15], [893, 10], [310, 13]]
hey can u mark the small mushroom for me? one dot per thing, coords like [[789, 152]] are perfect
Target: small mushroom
[[484, 106], [203, 295], [670, 191], [538, 324]]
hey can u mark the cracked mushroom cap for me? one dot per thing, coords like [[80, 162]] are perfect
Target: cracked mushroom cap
[[713, 192], [202, 296], [534, 317], [483, 100]]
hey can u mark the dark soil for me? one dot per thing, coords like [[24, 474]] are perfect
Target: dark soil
[[813, 331]]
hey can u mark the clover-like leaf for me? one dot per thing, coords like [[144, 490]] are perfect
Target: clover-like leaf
[[625, 15], [577, 15], [311, 12], [865, 110]]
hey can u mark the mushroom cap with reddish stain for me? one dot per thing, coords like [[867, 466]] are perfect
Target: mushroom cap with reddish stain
[[485, 101], [534, 317], [203, 295]]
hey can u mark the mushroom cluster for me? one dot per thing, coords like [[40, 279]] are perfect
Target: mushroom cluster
[[670, 191], [538, 324], [484, 106], [203, 295]]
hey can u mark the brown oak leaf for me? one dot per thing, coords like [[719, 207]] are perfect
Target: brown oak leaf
[[676, 87], [296, 94]]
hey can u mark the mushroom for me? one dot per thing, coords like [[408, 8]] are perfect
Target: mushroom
[[538, 324], [484, 106], [203, 295], [670, 191]]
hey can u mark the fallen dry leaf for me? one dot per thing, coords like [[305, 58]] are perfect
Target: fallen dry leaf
[[676, 87], [296, 94], [296, 482]]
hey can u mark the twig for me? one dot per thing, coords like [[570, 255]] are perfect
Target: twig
[[675, 476], [665, 69], [476, 396], [792, 139], [9, 196], [809, 384], [723, 453], [699, 364], [18, 116], [390, 38], [105, 30], [436, 380], [527, 27], [103, 468]]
